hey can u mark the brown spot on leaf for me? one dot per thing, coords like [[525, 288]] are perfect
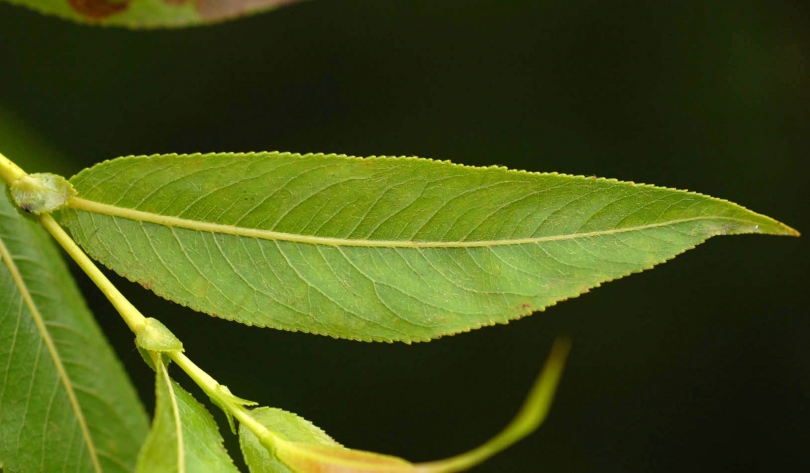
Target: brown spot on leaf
[[98, 9], [222, 9], [526, 306], [147, 285]]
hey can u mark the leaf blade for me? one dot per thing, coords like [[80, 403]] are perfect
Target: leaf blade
[[184, 437], [300, 446], [393, 249], [65, 401]]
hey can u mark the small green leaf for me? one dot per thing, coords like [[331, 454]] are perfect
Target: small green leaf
[[380, 249], [151, 13], [300, 446], [287, 425], [184, 437], [66, 403], [303, 458]]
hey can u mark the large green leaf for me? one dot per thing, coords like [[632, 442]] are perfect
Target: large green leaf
[[378, 248], [151, 13], [184, 437], [65, 402]]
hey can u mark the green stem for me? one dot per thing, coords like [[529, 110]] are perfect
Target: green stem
[[215, 391], [9, 171], [132, 316], [136, 321], [530, 416]]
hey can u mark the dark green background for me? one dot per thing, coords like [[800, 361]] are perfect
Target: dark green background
[[700, 365]]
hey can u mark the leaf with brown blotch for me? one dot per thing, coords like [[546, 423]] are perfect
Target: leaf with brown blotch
[[152, 13]]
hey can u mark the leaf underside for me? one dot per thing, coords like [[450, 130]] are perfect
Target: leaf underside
[[286, 424], [184, 437], [303, 447], [151, 13], [66, 404], [384, 249]]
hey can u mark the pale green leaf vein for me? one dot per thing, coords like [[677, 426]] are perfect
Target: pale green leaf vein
[[393, 213], [291, 209], [150, 240], [52, 351], [178, 422], [11, 350], [201, 196], [134, 182], [302, 200], [279, 279], [211, 260], [281, 187], [104, 180], [218, 228]]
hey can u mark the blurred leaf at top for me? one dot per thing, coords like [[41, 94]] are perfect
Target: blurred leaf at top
[[151, 13]]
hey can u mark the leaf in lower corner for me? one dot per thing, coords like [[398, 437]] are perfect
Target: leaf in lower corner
[[384, 249], [303, 447], [66, 403], [184, 437]]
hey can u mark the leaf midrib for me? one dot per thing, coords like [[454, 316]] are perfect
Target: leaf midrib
[[210, 227], [52, 350], [177, 421]]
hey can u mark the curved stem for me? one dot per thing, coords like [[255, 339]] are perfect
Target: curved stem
[[132, 316], [135, 320], [531, 415], [213, 389]]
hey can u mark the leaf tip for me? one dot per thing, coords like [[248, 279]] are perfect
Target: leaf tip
[[769, 226], [789, 231]]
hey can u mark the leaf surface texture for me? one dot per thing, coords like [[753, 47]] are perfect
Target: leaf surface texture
[[303, 447], [184, 437], [66, 403], [388, 249]]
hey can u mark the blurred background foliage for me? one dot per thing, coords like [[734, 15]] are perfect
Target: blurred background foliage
[[702, 364]]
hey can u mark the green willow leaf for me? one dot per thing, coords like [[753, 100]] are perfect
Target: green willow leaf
[[184, 437], [288, 426], [303, 447], [65, 402], [151, 13], [385, 249]]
